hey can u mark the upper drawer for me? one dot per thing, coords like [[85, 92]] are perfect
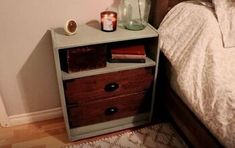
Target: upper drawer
[[107, 85]]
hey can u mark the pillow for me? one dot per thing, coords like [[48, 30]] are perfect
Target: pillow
[[206, 3], [225, 13]]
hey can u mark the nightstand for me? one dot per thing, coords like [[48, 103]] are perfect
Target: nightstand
[[111, 98]]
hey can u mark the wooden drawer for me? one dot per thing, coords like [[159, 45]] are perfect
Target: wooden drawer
[[91, 88], [109, 109]]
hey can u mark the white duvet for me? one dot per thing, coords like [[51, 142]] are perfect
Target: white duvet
[[202, 70]]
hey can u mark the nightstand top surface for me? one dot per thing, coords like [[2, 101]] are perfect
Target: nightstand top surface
[[90, 34]]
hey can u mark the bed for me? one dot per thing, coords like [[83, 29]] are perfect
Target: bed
[[197, 72]]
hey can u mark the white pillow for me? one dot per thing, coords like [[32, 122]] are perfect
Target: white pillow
[[204, 2]]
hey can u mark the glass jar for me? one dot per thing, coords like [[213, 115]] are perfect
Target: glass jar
[[134, 14]]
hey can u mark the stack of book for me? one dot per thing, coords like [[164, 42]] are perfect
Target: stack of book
[[128, 54]]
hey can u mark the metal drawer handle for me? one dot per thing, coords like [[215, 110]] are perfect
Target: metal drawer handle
[[111, 110], [111, 87]]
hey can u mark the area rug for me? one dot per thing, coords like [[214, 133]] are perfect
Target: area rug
[[156, 136]]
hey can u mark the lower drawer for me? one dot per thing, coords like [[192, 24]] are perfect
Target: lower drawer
[[109, 109]]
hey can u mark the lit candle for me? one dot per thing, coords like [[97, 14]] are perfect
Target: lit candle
[[108, 21]]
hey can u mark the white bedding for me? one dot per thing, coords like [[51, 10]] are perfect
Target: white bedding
[[202, 70]]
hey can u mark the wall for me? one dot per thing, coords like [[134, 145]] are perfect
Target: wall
[[27, 72]]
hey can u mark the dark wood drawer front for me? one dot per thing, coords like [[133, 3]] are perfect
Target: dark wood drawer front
[[92, 88], [109, 109]]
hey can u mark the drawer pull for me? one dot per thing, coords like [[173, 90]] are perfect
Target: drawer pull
[[111, 87], [111, 110]]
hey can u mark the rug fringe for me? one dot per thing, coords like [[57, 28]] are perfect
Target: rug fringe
[[102, 138], [109, 137]]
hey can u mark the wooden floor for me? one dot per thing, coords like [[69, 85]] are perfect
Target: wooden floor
[[45, 134], [54, 128]]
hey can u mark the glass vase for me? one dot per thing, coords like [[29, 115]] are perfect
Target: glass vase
[[134, 14]]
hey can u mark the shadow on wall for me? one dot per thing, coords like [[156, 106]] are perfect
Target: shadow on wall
[[115, 4], [37, 78]]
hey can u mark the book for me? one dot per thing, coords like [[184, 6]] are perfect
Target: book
[[127, 60], [127, 56], [127, 53], [136, 49]]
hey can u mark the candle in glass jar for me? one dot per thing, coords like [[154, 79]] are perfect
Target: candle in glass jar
[[108, 21]]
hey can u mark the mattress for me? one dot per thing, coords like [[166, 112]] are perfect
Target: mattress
[[202, 71]]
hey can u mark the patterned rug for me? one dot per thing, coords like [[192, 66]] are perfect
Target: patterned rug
[[156, 136]]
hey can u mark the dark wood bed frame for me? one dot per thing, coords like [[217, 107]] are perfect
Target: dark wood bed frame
[[196, 134]]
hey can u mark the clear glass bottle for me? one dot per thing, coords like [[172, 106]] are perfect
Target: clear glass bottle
[[137, 14]]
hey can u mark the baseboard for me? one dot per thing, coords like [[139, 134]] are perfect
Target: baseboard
[[3, 114], [35, 116]]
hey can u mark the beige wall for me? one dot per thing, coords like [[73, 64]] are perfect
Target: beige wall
[[27, 71]]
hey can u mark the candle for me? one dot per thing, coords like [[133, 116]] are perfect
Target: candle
[[108, 21]]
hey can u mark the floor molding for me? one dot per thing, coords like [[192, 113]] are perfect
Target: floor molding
[[35, 116]]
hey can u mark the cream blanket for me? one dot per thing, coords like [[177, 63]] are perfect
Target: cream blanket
[[202, 71], [225, 12]]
